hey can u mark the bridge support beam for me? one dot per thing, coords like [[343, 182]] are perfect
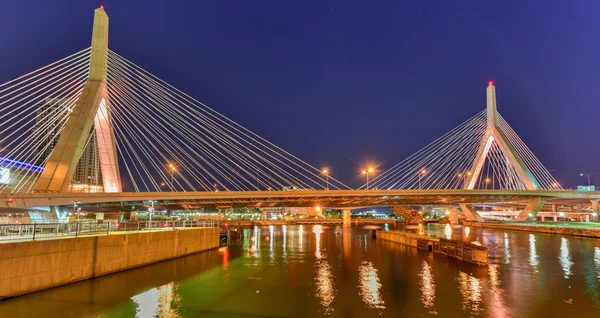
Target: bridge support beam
[[531, 209], [347, 219], [470, 212], [263, 215]]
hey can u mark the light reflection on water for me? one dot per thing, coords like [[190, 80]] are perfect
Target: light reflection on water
[[497, 306], [597, 261], [564, 258], [369, 286], [324, 282], [470, 288], [312, 271], [506, 249], [448, 231], [427, 285], [533, 257], [157, 302]]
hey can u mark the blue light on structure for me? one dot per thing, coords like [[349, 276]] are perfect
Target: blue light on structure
[[19, 164], [581, 174]]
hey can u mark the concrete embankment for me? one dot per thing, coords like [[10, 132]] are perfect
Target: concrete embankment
[[550, 229], [36, 265], [452, 248]]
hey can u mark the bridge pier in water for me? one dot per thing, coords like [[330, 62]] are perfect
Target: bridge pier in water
[[347, 220]]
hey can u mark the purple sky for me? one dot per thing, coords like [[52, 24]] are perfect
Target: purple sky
[[339, 83]]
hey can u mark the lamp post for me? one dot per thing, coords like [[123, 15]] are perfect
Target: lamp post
[[326, 173], [75, 211], [367, 171], [421, 173], [172, 168], [588, 177]]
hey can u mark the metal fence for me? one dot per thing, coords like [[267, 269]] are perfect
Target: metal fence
[[74, 229]]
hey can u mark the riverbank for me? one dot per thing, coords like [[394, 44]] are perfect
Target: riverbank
[[37, 265], [538, 228]]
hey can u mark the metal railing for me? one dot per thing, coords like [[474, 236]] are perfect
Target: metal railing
[[37, 231]]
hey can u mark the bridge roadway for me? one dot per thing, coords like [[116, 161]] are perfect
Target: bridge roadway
[[324, 198]]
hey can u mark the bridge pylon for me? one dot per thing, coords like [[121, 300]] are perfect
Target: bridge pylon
[[90, 112], [495, 135]]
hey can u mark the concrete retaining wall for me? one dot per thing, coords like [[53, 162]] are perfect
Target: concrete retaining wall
[[26, 267], [540, 229]]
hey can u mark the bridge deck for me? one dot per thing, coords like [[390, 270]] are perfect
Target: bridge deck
[[326, 198]]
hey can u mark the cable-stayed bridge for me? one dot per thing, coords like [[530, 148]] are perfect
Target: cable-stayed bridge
[[96, 128]]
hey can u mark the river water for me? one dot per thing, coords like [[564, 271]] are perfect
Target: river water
[[314, 271]]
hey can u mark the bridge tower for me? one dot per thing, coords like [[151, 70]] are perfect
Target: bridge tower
[[91, 111], [495, 135]]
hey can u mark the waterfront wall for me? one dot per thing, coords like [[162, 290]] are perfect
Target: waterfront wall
[[36, 265], [452, 248], [550, 229]]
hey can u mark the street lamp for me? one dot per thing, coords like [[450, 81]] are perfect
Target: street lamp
[[421, 173], [367, 171], [588, 176], [487, 180], [172, 168], [75, 210], [326, 173]]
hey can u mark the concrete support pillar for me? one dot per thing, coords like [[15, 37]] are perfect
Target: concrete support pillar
[[453, 216], [347, 220], [470, 212], [263, 215], [531, 209], [579, 208], [595, 209], [554, 208]]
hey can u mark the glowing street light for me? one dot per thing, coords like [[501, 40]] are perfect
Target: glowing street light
[[172, 168], [588, 176], [421, 173], [326, 173], [366, 172], [555, 184]]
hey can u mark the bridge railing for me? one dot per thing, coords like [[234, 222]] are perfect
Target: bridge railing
[[37, 231]]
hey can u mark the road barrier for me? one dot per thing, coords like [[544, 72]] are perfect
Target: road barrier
[[37, 231]]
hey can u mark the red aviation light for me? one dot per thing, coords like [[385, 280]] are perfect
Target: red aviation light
[[491, 83]]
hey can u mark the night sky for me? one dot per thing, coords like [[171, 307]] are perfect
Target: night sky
[[343, 83]]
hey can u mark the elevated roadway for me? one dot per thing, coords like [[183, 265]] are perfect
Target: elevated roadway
[[305, 198]]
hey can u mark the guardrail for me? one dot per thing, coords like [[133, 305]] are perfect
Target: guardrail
[[38, 231]]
